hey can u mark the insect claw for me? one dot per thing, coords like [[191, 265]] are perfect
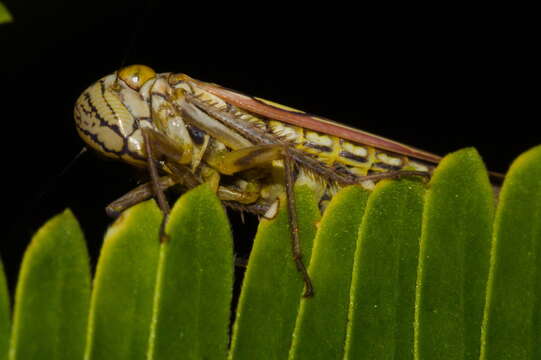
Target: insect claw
[[164, 237], [242, 216], [424, 175], [308, 293], [240, 262], [111, 212]]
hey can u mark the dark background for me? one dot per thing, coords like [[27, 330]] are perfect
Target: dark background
[[438, 79]]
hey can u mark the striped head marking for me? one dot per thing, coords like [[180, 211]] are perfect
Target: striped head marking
[[110, 113]]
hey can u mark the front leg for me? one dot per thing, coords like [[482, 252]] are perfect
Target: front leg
[[151, 144], [158, 146]]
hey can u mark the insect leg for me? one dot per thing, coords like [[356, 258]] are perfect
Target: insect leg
[[163, 147], [294, 224], [247, 158], [395, 175], [154, 180], [137, 195], [259, 155], [259, 209], [157, 146], [244, 196], [181, 175], [246, 193]]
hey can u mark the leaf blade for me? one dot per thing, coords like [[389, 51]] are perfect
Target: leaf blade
[[454, 259], [385, 273], [5, 15], [195, 280], [272, 287], [512, 321], [123, 292], [5, 323], [319, 332], [53, 292]]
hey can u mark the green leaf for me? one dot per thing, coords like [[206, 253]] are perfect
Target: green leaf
[[53, 292], [512, 328], [319, 332], [5, 16], [4, 315], [377, 295], [195, 279], [454, 259], [384, 277], [272, 286], [123, 292]]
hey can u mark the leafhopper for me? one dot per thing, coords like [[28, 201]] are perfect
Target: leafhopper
[[187, 132]]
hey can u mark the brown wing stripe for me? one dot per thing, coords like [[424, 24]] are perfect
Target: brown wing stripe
[[317, 124]]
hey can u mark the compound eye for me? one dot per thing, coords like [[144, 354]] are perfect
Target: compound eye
[[136, 75]]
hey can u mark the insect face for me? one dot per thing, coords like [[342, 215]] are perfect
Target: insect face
[[109, 115]]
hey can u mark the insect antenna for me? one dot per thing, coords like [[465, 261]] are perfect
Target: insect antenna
[[34, 203], [49, 185]]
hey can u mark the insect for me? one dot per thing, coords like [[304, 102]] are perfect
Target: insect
[[187, 132]]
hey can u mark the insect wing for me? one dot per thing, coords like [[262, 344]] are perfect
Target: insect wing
[[298, 118]]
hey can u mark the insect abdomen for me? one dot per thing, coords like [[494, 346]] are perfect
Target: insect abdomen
[[360, 160]]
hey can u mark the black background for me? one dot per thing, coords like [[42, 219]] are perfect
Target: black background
[[438, 79]]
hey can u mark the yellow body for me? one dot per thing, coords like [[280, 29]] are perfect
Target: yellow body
[[211, 136]]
